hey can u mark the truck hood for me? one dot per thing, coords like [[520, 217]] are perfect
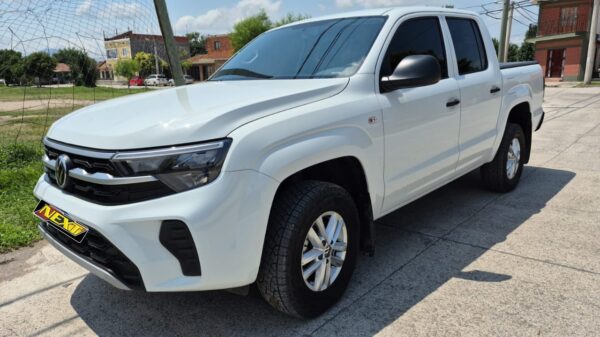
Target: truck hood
[[194, 113]]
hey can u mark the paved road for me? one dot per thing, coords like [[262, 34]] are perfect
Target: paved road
[[460, 261]]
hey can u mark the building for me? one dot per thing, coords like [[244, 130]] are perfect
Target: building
[[562, 39], [219, 50], [62, 73], [126, 45]]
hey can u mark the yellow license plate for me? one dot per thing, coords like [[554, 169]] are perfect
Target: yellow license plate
[[60, 220]]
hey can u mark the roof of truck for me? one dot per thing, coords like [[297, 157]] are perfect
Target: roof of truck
[[391, 11]]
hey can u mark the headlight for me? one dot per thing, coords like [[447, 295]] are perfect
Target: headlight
[[181, 168]]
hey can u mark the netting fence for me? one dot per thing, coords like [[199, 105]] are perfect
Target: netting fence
[[59, 55]]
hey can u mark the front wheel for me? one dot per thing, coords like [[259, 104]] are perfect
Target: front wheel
[[504, 172], [310, 248]]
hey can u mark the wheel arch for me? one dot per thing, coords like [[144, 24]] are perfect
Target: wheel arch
[[349, 173], [521, 115], [516, 108]]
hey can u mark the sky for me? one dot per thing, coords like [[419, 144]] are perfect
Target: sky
[[214, 17]]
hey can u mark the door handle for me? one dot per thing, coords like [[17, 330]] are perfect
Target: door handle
[[494, 90], [453, 102]]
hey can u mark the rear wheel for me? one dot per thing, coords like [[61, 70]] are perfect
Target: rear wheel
[[310, 248], [504, 172]]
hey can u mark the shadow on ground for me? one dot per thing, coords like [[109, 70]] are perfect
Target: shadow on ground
[[400, 270]]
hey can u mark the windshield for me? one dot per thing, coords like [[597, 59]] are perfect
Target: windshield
[[329, 48]]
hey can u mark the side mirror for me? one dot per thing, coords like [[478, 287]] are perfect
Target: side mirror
[[413, 71]]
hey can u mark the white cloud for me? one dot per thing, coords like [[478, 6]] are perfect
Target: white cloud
[[385, 3], [322, 7], [84, 7], [222, 19], [120, 10]]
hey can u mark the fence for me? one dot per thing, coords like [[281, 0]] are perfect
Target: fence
[[86, 38]]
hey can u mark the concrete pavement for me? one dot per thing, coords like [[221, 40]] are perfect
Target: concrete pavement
[[460, 261]]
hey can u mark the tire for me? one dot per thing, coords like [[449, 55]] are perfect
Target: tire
[[496, 175], [295, 211]]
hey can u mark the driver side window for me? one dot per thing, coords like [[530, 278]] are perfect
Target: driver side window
[[419, 36]]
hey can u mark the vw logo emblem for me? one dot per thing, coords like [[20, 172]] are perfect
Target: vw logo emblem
[[61, 171]]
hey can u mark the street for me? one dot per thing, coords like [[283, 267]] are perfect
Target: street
[[460, 261]]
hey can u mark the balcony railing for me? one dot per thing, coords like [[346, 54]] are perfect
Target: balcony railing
[[554, 27]]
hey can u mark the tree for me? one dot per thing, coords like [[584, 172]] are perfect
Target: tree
[[289, 18], [39, 66], [146, 63], [83, 67], [186, 66], [11, 65], [127, 68], [249, 28], [513, 51], [197, 43], [527, 51]]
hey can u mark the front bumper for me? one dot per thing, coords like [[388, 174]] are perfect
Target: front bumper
[[94, 268], [227, 220]]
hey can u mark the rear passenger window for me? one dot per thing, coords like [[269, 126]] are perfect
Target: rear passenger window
[[420, 36], [468, 45]]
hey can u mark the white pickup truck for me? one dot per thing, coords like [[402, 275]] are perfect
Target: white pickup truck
[[273, 172]]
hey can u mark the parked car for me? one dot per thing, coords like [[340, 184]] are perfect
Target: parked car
[[186, 78], [156, 80], [136, 81], [273, 174]]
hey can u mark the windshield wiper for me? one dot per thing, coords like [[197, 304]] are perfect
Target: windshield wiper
[[241, 72]]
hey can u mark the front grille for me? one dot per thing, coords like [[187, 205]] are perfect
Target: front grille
[[97, 249], [105, 194]]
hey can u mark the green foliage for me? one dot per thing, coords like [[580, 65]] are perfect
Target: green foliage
[[531, 31], [247, 29], [40, 66], [289, 18], [186, 66], [197, 43], [525, 53], [18, 154], [146, 63], [513, 53], [126, 68], [11, 65], [19, 170], [83, 67]]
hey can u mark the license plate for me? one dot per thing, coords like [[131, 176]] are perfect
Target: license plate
[[60, 220]]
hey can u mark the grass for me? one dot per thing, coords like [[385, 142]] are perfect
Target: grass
[[20, 168], [21, 133], [593, 84], [69, 93]]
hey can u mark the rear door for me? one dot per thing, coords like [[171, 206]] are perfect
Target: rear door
[[480, 85], [421, 124]]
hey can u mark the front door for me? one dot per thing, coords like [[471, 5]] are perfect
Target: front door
[[421, 126], [555, 62]]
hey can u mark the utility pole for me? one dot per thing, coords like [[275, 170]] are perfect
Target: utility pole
[[502, 41], [169, 39], [508, 31], [591, 54]]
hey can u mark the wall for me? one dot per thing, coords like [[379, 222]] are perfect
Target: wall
[[572, 70]]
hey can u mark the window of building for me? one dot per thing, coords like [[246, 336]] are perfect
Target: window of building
[[421, 36], [125, 52], [468, 45], [568, 17], [217, 45], [111, 53]]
